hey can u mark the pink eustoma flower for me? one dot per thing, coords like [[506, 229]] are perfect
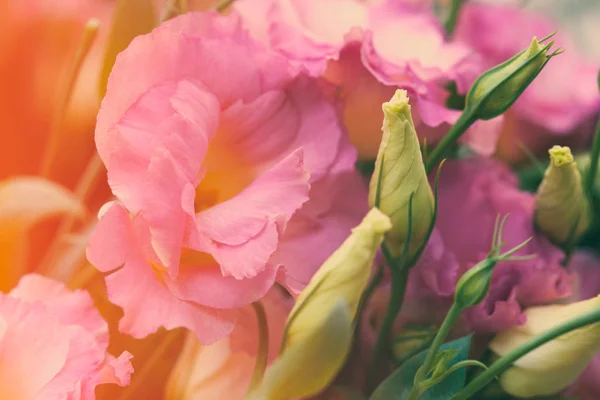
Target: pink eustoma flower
[[472, 194], [370, 50], [53, 343], [228, 164]]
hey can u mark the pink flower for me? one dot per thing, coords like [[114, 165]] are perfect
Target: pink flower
[[369, 51], [586, 268], [562, 98], [208, 372], [472, 193], [227, 165], [53, 343]]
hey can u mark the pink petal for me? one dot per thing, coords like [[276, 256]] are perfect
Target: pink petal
[[242, 233], [70, 307], [129, 286], [112, 240], [193, 46], [117, 371], [206, 286], [30, 360]]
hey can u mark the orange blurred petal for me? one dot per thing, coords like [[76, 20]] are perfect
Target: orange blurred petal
[[25, 201]]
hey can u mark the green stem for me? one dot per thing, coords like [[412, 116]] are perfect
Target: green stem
[[465, 120], [263, 346], [591, 175], [441, 335], [507, 360], [450, 24], [399, 279]]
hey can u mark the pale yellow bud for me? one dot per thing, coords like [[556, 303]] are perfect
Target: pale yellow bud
[[344, 274], [553, 366], [561, 205], [400, 166], [308, 366], [318, 333]]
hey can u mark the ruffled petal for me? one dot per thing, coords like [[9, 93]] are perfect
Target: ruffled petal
[[242, 233]]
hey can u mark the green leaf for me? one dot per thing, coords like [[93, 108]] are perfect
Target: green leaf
[[398, 385]]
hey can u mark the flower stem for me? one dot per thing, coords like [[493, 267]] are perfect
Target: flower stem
[[441, 335], [595, 155], [465, 120], [399, 280], [450, 24], [262, 354], [507, 360]]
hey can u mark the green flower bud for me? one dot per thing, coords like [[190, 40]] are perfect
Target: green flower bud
[[473, 286], [400, 173], [498, 88], [562, 210]]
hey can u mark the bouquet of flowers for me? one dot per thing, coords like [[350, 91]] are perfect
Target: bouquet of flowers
[[297, 199]]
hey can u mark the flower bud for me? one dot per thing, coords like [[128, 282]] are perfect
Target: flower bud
[[562, 210], [318, 333], [344, 274], [473, 286], [498, 88], [553, 366], [400, 173], [309, 365]]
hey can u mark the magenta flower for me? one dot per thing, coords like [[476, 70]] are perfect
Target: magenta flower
[[227, 165], [369, 51], [472, 193], [53, 343]]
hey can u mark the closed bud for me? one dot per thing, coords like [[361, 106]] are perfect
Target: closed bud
[[400, 173], [318, 333], [562, 209], [554, 365], [309, 365], [498, 88], [473, 286], [344, 274]]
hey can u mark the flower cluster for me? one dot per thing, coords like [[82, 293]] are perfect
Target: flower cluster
[[284, 199]]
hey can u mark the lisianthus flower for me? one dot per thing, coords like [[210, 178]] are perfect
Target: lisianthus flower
[[585, 267], [472, 194], [54, 343], [370, 50], [207, 372], [560, 101], [227, 165]]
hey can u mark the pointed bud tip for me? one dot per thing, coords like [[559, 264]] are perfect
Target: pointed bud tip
[[560, 155], [376, 221], [397, 103], [533, 48]]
